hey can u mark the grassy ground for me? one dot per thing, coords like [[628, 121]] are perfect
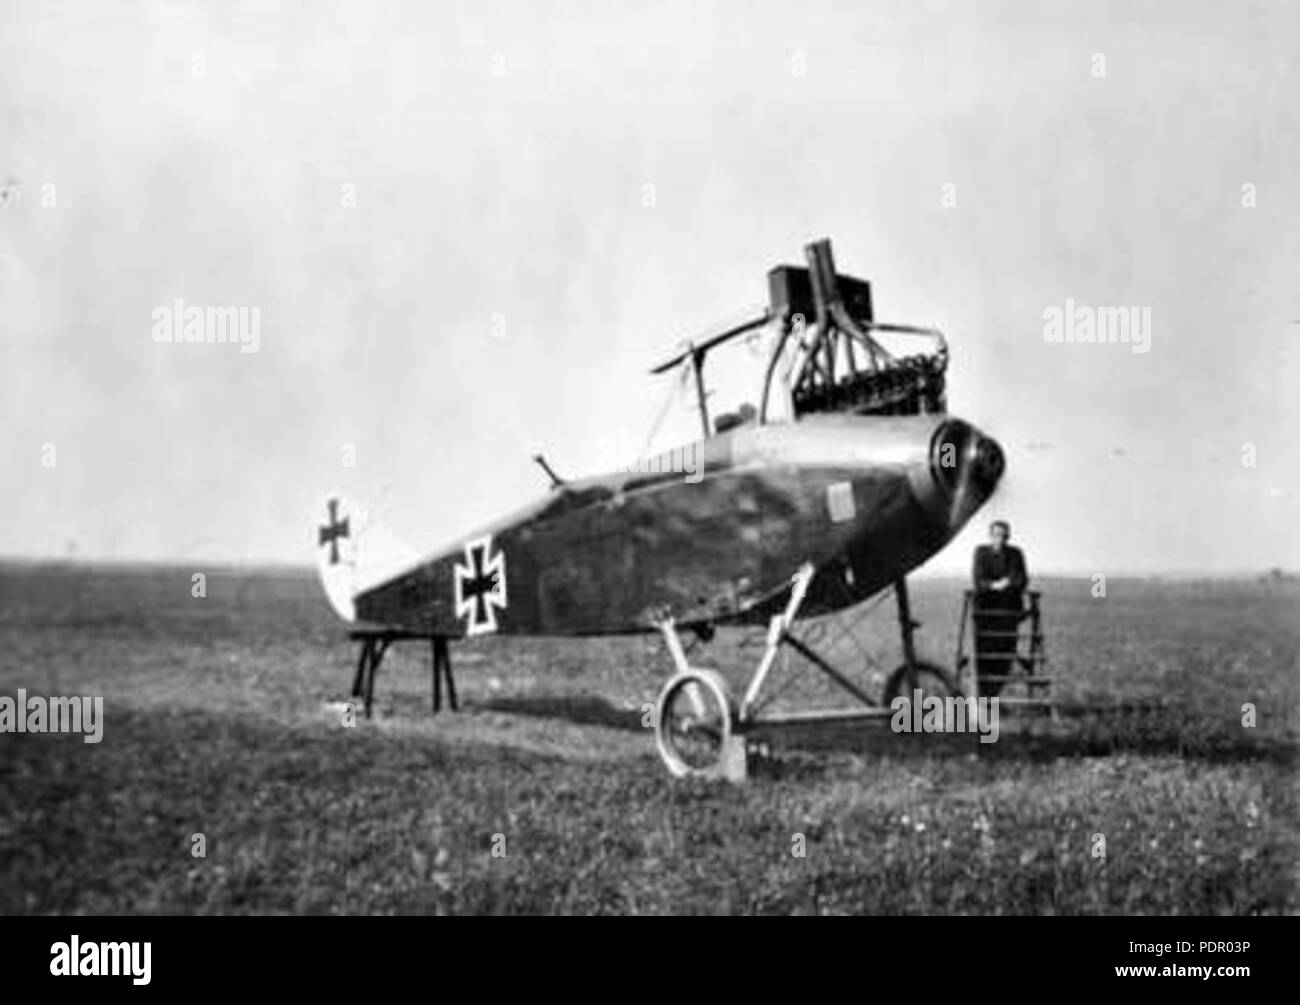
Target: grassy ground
[[216, 723]]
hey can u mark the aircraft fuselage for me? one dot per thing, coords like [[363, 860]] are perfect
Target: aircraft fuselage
[[865, 499]]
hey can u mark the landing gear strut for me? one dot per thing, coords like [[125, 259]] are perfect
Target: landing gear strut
[[700, 729]]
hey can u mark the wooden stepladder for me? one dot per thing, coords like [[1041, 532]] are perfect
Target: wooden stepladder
[[1024, 664]]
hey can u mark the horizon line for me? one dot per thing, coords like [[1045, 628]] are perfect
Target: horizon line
[[272, 564]]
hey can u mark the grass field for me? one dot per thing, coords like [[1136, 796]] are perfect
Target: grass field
[[217, 723]]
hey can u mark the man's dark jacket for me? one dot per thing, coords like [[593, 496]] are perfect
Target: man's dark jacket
[[991, 565]]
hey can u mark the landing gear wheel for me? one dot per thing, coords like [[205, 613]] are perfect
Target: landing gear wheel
[[926, 676], [693, 724]]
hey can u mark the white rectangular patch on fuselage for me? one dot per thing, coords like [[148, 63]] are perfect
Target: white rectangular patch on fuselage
[[839, 497]]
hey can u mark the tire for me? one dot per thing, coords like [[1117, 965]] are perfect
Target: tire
[[693, 724], [931, 679]]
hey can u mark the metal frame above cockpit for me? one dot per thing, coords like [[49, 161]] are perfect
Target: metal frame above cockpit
[[834, 363]]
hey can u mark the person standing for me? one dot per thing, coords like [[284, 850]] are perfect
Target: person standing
[[1000, 578]]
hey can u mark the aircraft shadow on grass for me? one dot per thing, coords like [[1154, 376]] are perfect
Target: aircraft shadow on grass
[[1086, 737], [796, 748], [584, 710]]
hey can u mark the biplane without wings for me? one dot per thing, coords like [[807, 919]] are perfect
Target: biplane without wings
[[846, 476]]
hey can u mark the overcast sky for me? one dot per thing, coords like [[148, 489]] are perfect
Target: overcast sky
[[469, 229]]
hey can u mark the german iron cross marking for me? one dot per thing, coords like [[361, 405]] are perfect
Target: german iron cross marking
[[480, 586], [332, 531]]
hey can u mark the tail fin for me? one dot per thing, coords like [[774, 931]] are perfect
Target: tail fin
[[354, 553]]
